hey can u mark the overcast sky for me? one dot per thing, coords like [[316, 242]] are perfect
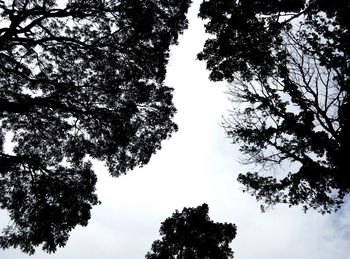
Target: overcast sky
[[198, 164]]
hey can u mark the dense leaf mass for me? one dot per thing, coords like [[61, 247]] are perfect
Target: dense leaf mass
[[191, 234], [287, 63], [78, 80]]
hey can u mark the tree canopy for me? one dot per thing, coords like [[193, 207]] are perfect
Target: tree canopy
[[78, 80], [191, 234], [287, 63]]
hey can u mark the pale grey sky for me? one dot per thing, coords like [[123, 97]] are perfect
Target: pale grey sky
[[198, 164]]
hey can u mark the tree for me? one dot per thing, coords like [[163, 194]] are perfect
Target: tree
[[287, 63], [79, 79], [192, 235]]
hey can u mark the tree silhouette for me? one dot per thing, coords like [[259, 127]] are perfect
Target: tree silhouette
[[78, 80], [192, 235], [287, 63]]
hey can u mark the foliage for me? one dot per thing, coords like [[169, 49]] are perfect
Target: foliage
[[192, 235], [287, 63], [78, 80]]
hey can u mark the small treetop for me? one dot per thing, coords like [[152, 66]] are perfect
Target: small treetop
[[191, 234]]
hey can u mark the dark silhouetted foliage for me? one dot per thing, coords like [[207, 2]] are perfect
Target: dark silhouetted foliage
[[192, 235], [79, 79], [287, 63]]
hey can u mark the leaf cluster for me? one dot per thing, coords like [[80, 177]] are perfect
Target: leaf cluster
[[287, 65], [78, 80]]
